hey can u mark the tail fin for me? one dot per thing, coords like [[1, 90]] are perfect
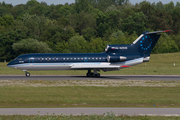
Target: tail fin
[[146, 42]]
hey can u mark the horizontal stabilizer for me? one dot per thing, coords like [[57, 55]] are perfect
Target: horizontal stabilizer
[[157, 32]]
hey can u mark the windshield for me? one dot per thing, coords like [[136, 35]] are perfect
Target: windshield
[[18, 59]]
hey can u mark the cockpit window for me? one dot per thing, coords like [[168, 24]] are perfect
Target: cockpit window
[[18, 59]]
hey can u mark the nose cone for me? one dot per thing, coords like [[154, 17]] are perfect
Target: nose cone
[[11, 64]]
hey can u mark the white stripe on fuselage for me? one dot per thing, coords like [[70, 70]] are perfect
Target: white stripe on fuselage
[[69, 66]]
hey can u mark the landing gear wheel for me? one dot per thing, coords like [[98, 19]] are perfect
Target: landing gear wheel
[[98, 75], [27, 74], [91, 74], [88, 74]]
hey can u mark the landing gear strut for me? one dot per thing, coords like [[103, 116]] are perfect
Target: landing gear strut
[[27, 74], [91, 74]]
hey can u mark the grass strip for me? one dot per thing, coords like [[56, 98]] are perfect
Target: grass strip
[[160, 64], [88, 96], [109, 116]]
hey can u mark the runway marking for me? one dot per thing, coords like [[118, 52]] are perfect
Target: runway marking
[[92, 111], [167, 115]]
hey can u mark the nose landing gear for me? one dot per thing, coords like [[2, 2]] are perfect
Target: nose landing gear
[[91, 74], [27, 74]]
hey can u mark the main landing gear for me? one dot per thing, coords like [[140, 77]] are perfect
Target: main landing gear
[[27, 74], [91, 74]]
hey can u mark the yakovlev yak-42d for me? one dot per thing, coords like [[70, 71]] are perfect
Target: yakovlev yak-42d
[[115, 57]]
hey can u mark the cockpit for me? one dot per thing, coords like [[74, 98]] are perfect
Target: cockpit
[[18, 58]]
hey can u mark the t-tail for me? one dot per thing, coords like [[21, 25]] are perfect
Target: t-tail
[[146, 41], [142, 46]]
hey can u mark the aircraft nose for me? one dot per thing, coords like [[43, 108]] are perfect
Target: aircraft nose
[[10, 64]]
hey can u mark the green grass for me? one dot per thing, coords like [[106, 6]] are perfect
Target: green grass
[[160, 64], [89, 117], [88, 96]]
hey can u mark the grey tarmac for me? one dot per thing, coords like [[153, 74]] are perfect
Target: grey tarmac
[[103, 77], [90, 111]]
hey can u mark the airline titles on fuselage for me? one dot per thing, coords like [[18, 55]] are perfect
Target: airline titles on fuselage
[[122, 48]]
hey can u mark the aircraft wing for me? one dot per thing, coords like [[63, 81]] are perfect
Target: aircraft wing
[[94, 66]]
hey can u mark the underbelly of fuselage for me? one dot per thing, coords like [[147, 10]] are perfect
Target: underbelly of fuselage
[[76, 66], [36, 66]]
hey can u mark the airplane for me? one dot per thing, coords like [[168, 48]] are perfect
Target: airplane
[[115, 57]]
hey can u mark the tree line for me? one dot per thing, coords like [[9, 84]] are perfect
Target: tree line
[[85, 26]]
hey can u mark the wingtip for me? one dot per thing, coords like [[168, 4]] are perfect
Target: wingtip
[[166, 30]]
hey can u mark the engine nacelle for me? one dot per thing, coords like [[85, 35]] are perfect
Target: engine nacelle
[[116, 58]]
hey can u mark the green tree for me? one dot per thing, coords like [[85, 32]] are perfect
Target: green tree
[[65, 10], [159, 5], [34, 23], [176, 20], [82, 21], [160, 20], [77, 44], [166, 45], [30, 46], [169, 7], [6, 41], [178, 4], [134, 23], [81, 5], [32, 3], [111, 8], [19, 10], [38, 10], [6, 20], [96, 45], [62, 47], [109, 21]]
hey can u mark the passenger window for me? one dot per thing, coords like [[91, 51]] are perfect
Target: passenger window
[[74, 58], [67, 58]]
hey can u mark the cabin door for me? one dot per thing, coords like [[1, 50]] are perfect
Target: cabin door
[[31, 60]]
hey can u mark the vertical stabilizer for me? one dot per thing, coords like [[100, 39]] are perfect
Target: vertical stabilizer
[[146, 41]]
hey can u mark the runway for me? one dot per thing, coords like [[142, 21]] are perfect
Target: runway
[[103, 77], [90, 111]]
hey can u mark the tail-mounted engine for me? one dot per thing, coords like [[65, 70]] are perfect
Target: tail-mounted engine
[[116, 58]]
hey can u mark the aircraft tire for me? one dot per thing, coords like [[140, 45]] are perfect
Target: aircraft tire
[[27, 74], [98, 75], [88, 74], [93, 75]]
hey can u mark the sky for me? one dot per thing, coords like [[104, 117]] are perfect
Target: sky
[[55, 2]]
